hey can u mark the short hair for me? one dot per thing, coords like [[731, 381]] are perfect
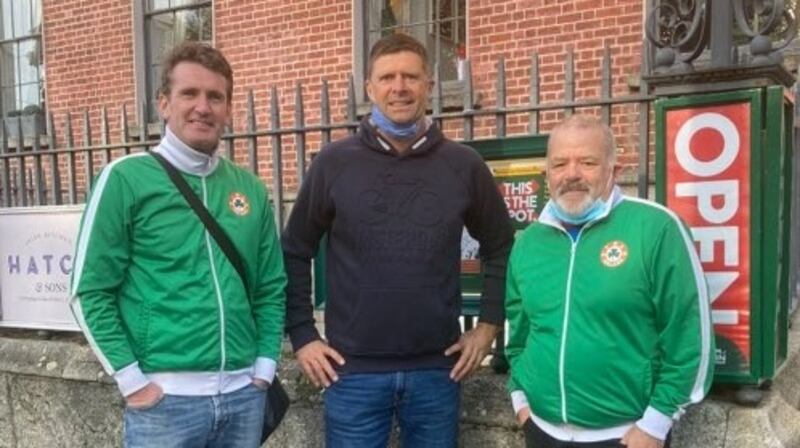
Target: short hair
[[585, 123], [198, 53], [395, 43]]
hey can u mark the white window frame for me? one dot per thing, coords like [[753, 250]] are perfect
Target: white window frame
[[17, 40]]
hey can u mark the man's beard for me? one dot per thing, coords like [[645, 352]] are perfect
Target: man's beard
[[572, 207]]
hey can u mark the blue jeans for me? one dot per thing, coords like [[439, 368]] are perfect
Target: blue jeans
[[359, 409], [229, 420]]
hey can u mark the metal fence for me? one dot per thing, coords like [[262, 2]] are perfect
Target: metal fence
[[50, 169], [40, 170]]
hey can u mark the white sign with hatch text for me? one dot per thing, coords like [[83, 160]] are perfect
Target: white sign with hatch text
[[36, 250]]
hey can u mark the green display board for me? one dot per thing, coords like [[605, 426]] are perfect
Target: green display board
[[723, 164], [517, 164]]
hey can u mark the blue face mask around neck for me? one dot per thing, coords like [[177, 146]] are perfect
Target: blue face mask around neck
[[394, 130], [595, 210]]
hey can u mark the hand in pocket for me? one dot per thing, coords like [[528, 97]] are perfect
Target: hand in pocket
[[146, 397]]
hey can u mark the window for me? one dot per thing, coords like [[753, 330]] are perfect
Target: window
[[166, 23], [439, 24], [21, 60]]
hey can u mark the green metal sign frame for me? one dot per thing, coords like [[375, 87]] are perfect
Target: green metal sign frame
[[770, 180], [509, 148]]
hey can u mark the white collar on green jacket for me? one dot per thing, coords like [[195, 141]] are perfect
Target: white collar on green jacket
[[184, 157]]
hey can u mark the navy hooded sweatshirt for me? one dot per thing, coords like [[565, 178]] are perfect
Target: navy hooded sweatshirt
[[394, 223]]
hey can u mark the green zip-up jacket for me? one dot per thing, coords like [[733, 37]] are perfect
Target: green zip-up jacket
[[613, 327], [153, 291]]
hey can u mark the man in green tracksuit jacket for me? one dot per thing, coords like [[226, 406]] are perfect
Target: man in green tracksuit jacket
[[610, 329], [161, 305]]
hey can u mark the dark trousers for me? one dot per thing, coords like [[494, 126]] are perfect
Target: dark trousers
[[536, 438]]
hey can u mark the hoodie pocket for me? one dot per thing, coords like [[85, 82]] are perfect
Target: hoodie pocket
[[411, 321]]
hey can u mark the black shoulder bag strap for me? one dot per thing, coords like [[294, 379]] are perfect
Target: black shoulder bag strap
[[211, 224], [277, 402]]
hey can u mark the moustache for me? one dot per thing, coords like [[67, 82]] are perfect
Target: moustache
[[573, 186]]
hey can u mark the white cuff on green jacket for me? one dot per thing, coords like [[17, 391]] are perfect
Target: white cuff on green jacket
[[265, 369], [519, 401], [130, 379], [655, 423]]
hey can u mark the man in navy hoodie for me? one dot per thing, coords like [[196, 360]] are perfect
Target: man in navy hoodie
[[394, 200]]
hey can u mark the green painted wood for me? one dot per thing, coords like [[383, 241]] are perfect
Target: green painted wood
[[508, 148], [755, 373], [511, 147]]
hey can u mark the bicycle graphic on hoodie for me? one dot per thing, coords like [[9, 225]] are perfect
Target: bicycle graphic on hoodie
[[401, 198], [400, 219]]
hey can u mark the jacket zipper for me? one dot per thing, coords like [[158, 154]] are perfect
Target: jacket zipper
[[567, 303], [564, 327], [218, 293]]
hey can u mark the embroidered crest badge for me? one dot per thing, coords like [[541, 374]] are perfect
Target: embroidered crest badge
[[614, 254], [238, 204]]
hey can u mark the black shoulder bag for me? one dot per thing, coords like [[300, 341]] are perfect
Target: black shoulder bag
[[277, 398]]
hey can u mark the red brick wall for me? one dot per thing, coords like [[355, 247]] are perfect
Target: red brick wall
[[89, 57], [88, 50], [279, 44], [516, 29]]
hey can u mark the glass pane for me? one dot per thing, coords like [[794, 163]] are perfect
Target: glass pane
[[372, 14], [152, 94], [22, 18], [390, 17], [385, 15], [155, 75], [29, 61], [168, 29], [462, 22], [5, 13], [9, 98], [372, 11], [438, 24], [447, 33], [36, 15], [8, 65], [187, 25], [420, 32], [27, 17], [448, 25], [184, 2], [205, 24], [153, 5], [448, 64], [161, 35], [29, 97]]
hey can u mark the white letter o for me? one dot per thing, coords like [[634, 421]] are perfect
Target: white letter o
[[730, 144]]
